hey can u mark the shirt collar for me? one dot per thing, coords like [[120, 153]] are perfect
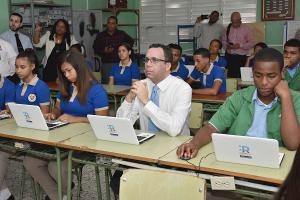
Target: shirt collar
[[13, 32], [260, 103], [162, 85], [33, 81], [209, 69], [177, 68], [128, 64], [295, 68]]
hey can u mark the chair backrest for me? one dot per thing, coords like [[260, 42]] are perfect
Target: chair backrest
[[231, 84], [136, 184], [196, 116]]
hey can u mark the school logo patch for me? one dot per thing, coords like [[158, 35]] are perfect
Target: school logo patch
[[31, 97]]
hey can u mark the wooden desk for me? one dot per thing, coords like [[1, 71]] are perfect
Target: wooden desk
[[149, 151], [215, 99], [243, 84], [10, 130], [118, 90], [211, 103], [211, 165]]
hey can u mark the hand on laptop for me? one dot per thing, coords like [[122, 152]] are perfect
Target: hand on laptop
[[67, 118], [187, 151], [49, 116]]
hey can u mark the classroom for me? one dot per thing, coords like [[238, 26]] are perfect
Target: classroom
[[149, 99]]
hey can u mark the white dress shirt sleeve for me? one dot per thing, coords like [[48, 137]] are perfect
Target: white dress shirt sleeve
[[43, 40], [174, 120], [129, 110]]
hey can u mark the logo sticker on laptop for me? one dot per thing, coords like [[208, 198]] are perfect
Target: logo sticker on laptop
[[112, 130], [245, 151], [27, 117]]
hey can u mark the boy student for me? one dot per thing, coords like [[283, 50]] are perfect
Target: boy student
[[291, 55], [177, 67], [268, 110], [211, 77]]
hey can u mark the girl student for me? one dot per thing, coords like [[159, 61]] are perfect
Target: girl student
[[125, 72], [30, 91], [80, 94]]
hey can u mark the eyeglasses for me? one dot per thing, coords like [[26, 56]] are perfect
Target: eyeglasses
[[153, 60]]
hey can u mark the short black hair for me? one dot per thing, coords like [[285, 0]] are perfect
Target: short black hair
[[218, 41], [261, 44], [18, 15], [203, 52], [112, 17], [269, 55], [175, 46], [293, 43], [167, 51]]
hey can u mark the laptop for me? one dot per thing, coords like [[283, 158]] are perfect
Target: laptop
[[246, 74], [30, 116], [247, 150], [117, 130]]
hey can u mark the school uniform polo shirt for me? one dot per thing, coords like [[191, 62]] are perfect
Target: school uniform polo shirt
[[236, 115], [207, 79], [124, 75], [7, 92], [220, 61], [36, 92], [181, 71], [96, 100], [292, 76]]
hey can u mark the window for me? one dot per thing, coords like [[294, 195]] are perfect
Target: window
[[159, 18]]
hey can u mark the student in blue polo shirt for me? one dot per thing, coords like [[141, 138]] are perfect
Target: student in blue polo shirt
[[178, 69], [210, 77], [80, 94], [125, 72], [7, 93], [31, 90], [214, 48]]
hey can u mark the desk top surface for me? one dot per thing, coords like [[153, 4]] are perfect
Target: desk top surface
[[210, 164], [220, 98], [12, 131], [111, 89], [149, 151]]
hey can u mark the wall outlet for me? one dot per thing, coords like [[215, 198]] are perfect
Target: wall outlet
[[222, 183]]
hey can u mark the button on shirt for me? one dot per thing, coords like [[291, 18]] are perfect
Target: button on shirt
[[174, 107], [259, 124], [9, 36]]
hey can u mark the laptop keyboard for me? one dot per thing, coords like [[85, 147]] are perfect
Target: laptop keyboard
[[140, 138]]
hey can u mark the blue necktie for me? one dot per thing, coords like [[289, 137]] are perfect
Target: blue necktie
[[155, 99]]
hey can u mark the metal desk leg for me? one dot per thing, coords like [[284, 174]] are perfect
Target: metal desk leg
[[69, 185], [58, 162]]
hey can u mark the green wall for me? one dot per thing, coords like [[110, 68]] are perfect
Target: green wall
[[274, 29]]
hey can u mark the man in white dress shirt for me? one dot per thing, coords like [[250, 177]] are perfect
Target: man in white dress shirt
[[169, 110]]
